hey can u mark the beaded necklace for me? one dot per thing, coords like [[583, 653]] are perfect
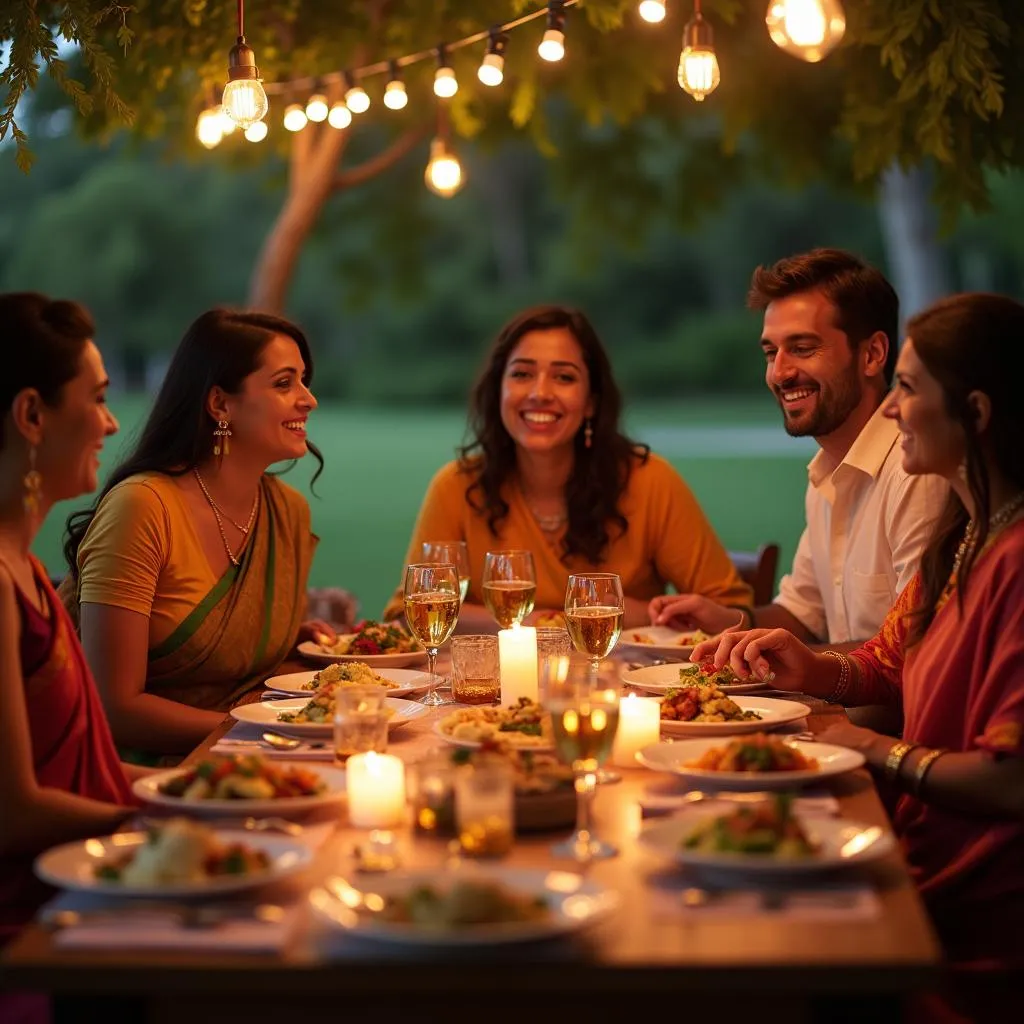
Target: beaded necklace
[[1001, 517], [220, 517]]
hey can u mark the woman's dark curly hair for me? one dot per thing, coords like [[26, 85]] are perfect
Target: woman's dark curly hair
[[599, 474], [220, 349], [971, 342]]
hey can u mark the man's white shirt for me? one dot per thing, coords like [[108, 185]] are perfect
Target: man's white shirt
[[868, 522]]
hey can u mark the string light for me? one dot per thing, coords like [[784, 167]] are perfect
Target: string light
[[808, 29], [294, 117], [256, 132], [444, 172], [652, 11], [492, 68], [316, 108], [552, 46], [227, 126], [339, 116], [446, 85], [395, 96], [244, 98], [356, 98], [209, 127], [698, 72]]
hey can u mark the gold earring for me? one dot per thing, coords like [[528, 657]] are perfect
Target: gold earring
[[223, 431], [33, 482], [588, 434]]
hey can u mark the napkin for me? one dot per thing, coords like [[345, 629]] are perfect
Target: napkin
[[244, 738], [834, 901], [666, 797]]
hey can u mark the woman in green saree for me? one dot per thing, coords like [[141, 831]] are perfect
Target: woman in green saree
[[188, 576]]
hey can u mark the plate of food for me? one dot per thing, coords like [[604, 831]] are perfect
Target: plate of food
[[662, 678], [242, 784], [757, 761], [378, 644], [662, 641], [178, 857], [765, 837], [525, 725], [707, 711], [471, 908], [397, 681], [314, 718]]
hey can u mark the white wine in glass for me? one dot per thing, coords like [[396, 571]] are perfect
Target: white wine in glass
[[509, 586], [453, 551], [594, 608], [431, 610]]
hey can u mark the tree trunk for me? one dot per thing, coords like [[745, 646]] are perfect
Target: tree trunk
[[502, 187], [909, 229]]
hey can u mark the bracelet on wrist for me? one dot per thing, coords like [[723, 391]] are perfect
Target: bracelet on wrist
[[845, 674], [895, 758], [923, 767]]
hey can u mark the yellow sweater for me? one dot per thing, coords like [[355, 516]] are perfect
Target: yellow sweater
[[669, 540]]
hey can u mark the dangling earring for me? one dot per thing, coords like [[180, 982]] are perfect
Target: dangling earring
[[588, 434], [961, 470], [223, 431], [33, 482]]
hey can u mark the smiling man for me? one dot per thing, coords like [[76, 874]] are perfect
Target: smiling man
[[830, 343]]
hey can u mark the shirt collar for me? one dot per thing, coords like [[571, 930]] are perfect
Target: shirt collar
[[867, 453]]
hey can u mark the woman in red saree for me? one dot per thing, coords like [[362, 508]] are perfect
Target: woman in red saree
[[60, 777], [951, 651]]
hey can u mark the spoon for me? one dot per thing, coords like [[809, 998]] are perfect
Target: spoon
[[275, 739]]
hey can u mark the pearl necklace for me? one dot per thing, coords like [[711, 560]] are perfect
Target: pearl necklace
[[220, 517], [1001, 517], [549, 524]]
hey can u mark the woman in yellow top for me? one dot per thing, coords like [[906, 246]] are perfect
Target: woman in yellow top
[[189, 573], [548, 469]]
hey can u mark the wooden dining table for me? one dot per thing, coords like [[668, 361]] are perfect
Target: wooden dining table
[[761, 965]]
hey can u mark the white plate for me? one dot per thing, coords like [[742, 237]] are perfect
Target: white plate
[[575, 902], [314, 652], [265, 713], [407, 680], [476, 744], [666, 838], [148, 788], [662, 678], [673, 756], [665, 642], [773, 711], [72, 865]]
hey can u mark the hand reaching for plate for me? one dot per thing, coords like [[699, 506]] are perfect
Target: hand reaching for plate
[[759, 652], [691, 611], [320, 632]]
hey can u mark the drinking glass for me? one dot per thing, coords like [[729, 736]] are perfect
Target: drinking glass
[[584, 709], [453, 551], [484, 809], [475, 669], [360, 721], [509, 586], [432, 609], [594, 607]]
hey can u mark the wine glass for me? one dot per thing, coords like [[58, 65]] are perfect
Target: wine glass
[[453, 551], [509, 586], [431, 610], [594, 607], [584, 708]]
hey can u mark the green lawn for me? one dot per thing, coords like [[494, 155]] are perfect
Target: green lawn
[[378, 463]]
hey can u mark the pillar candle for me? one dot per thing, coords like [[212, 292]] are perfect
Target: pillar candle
[[376, 790], [639, 727], [517, 653]]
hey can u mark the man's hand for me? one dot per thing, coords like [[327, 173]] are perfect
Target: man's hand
[[691, 611]]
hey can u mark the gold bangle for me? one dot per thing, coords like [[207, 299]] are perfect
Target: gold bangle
[[837, 694], [922, 768], [897, 752]]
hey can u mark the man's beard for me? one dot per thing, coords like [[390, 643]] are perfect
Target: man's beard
[[835, 403]]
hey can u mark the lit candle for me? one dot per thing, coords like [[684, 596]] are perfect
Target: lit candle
[[639, 727], [517, 652], [376, 790]]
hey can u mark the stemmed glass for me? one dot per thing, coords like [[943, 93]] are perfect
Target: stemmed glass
[[584, 708], [594, 607], [509, 586], [453, 551], [432, 610]]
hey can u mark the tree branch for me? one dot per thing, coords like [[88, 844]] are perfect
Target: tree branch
[[368, 169]]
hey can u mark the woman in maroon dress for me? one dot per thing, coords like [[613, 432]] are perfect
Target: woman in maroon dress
[[951, 651], [60, 777]]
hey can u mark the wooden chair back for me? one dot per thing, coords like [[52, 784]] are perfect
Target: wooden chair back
[[758, 568]]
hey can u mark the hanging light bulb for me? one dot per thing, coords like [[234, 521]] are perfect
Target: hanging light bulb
[[698, 72], [395, 96], [652, 11], [444, 172], [316, 108], [256, 132], [808, 29], [244, 98], [446, 85], [295, 117], [209, 129], [552, 46], [339, 116], [492, 67], [227, 126], [356, 98]]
